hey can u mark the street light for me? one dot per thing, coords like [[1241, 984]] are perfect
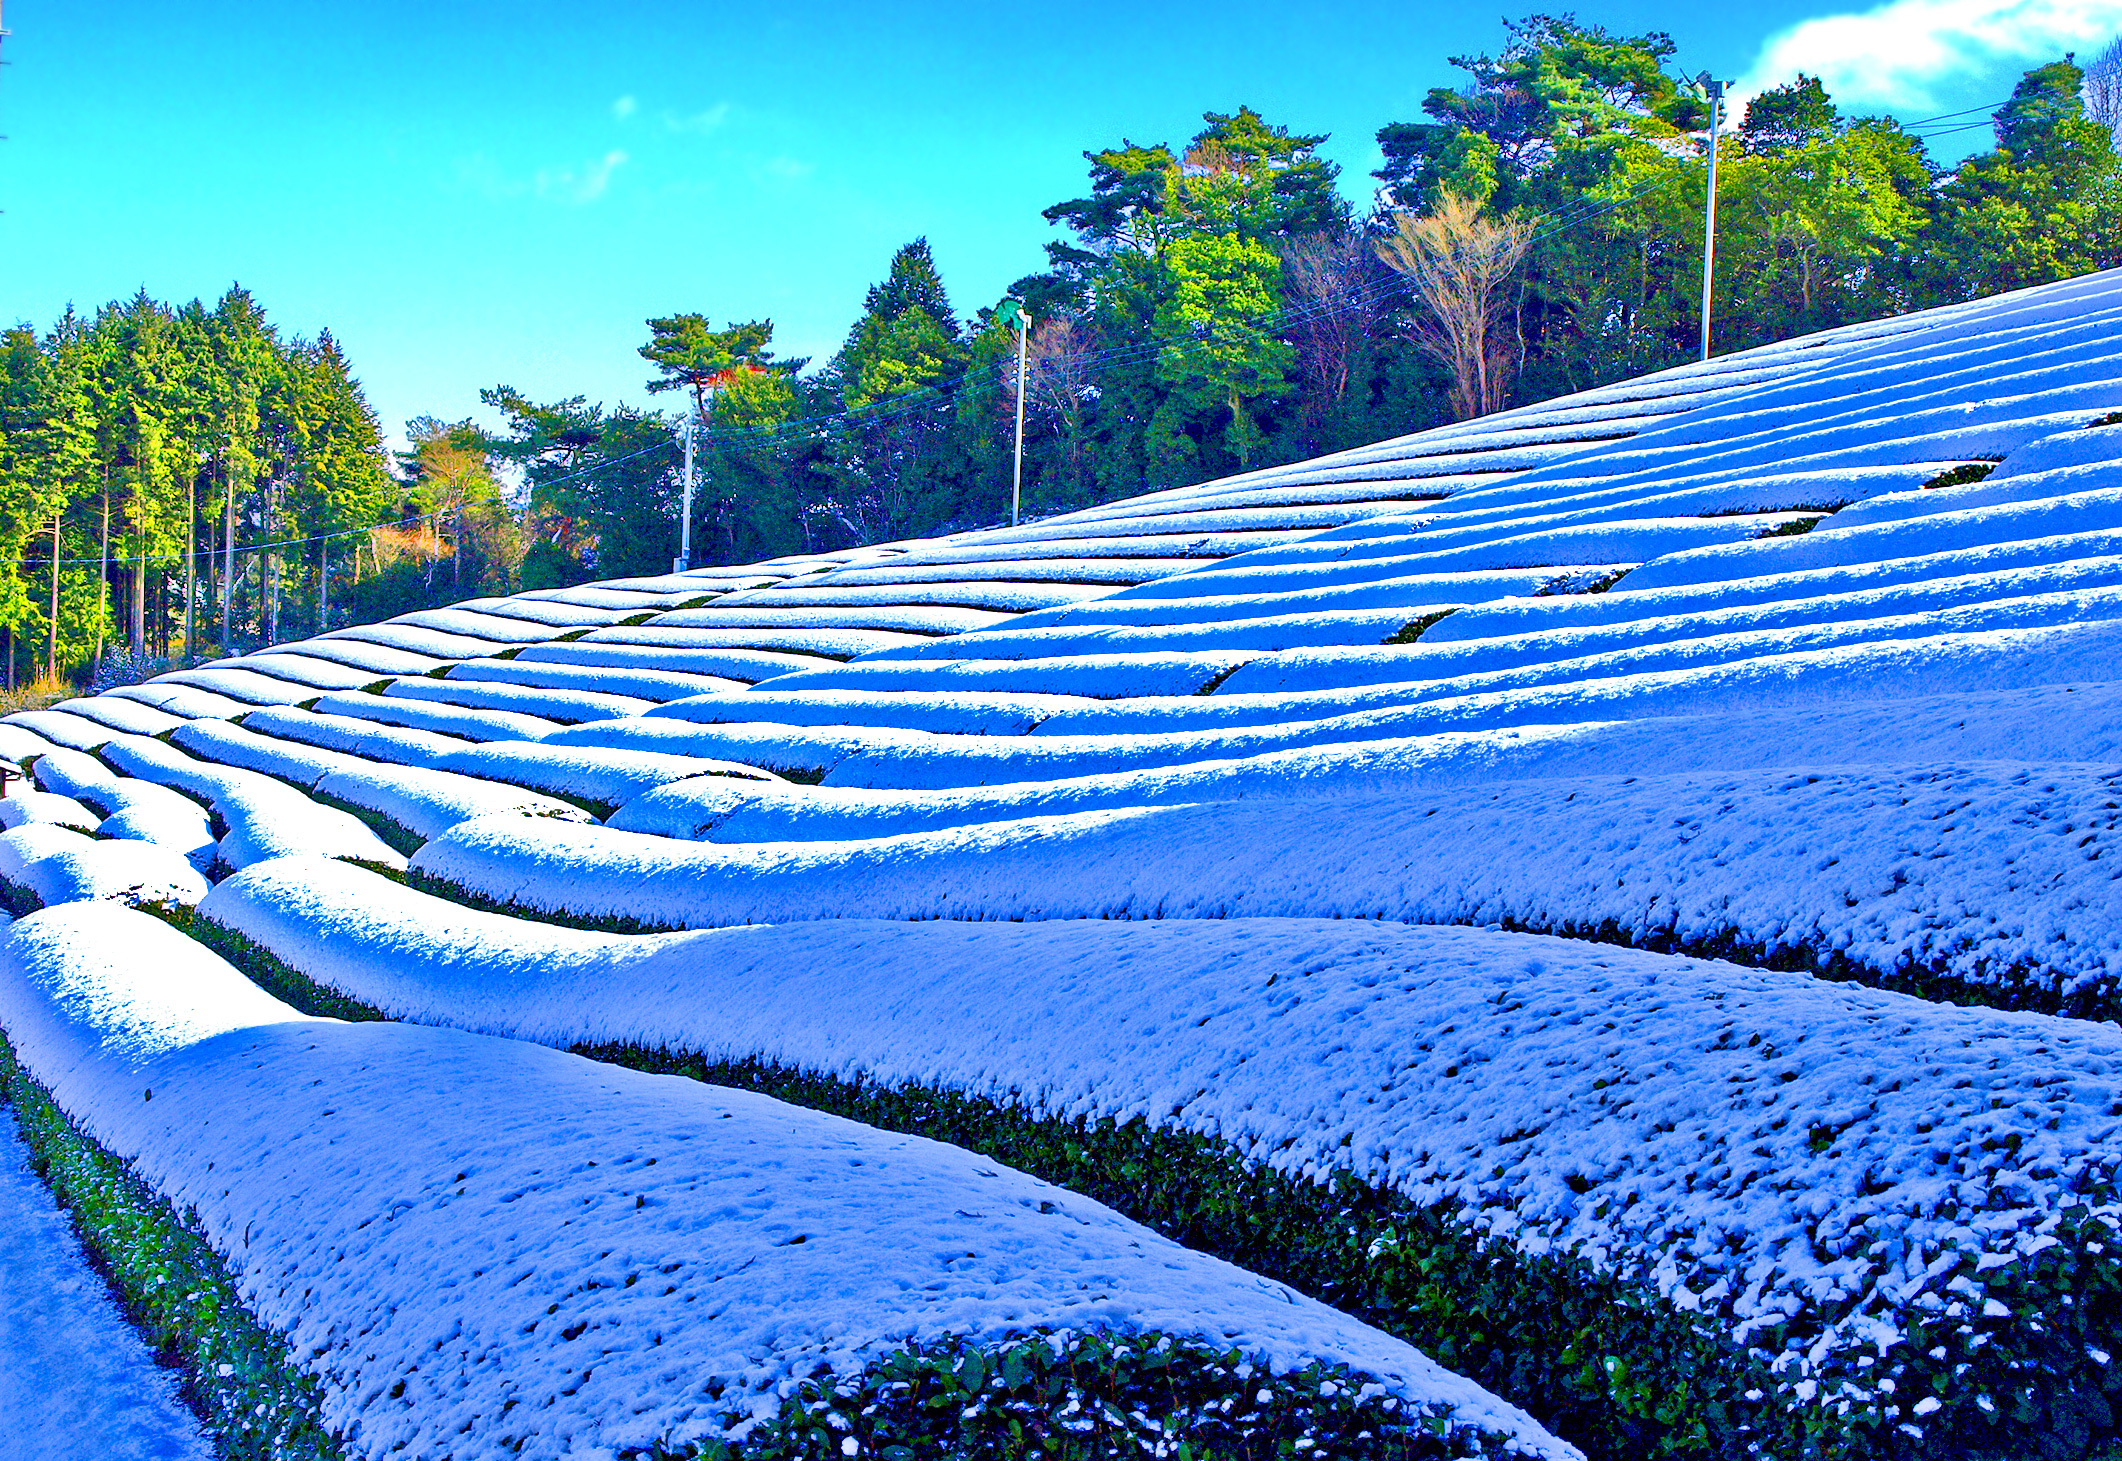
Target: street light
[[1714, 90], [1014, 314], [684, 559]]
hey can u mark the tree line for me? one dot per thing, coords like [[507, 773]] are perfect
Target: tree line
[[1222, 306], [187, 477], [141, 450]]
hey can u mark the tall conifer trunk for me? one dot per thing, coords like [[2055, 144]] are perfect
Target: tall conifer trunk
[[138, 635]]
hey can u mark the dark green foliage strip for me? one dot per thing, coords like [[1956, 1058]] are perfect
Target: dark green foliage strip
[[1089, 1398], [2032, 988], [1963, 474], [174, 1288]]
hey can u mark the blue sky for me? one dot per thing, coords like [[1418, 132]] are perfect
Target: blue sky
[[472, 193]]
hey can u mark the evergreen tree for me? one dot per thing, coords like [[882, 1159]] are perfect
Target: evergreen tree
[[2046, 204], [892, 379]]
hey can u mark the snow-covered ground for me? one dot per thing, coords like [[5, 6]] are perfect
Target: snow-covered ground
[[1700, 660], [77, 1384]]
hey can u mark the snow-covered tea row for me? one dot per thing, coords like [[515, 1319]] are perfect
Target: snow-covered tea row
[[1987, 874], [483, 1248], [1739, 1140]]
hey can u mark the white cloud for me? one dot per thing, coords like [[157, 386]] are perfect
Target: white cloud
[[567, 185], [789, 169], [706, 121], [625, 107], [1899, 56]]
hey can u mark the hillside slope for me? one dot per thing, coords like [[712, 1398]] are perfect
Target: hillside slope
[[1725, 761]]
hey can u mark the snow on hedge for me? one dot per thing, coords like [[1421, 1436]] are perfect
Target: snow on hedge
[[940, 712], [1943, 532], [908, 619], [2045, 724], [238, 683], [977, 594], [132, 809], [1475, 668], [1196, 599], [20, 807], [656, 654], [1249, 632], [417, 799], [426, 803], [1987, 873], [19, 744], [553, 614], [470, 622], [64, 728], [791, 749], [360, 654], [404, 745], [1093, 676], [464, 1268], [563, 706], [265, 817], [302, 667], [591, 774], [775, 643], [1738, 1139], [449, 720], [188, 701], [923, 568], [235, 745], [411, 639], [129, 716], [56, 865], [652, 685]]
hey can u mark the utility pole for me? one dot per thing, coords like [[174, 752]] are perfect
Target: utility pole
[[191, 565], [684, 560], [1715, 91], [1017, 315], [228, 561]]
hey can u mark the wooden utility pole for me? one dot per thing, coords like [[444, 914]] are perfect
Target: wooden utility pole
[[228, 560], [103, 569], [191, 564], [51, 654]]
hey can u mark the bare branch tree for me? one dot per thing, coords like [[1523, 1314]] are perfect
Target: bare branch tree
[[1457, 262], [2103, 88], [1328, 280], [1060, 382]]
